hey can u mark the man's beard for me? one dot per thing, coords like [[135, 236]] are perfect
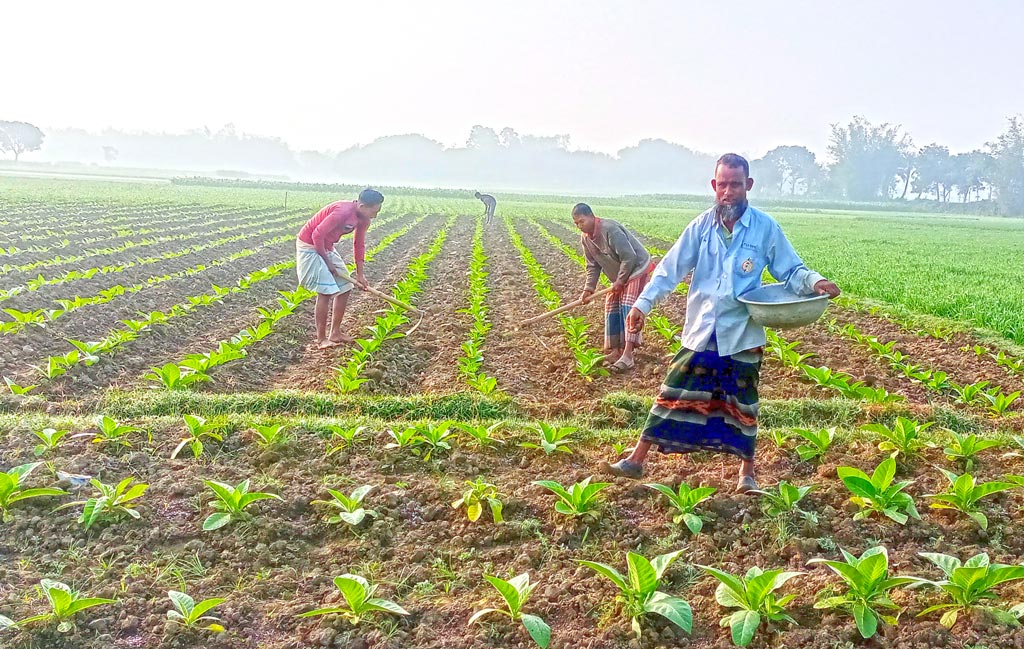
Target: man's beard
[[730, 212]]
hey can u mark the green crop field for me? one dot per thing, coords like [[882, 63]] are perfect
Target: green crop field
[[169, 427]]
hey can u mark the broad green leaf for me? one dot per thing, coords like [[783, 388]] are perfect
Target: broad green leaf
[[508, 591], [216, 521], [387, 606], [693, 522], [354, 589], [183, 602], [611, 573], [674, 609], [867, 622], [641, 574], [479, 614], [538, 630], [206, 605], [743, 625]]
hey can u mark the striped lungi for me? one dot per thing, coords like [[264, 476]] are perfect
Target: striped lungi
[[707, 403], [616, 308]]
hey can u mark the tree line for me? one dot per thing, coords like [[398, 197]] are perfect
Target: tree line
[[865, 162]]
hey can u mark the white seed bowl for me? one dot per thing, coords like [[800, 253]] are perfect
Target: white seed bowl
[[774, 306]]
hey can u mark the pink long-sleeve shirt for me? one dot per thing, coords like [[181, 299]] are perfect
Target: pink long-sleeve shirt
[[331, 223]]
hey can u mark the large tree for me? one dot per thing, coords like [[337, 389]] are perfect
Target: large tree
[[867, 158], [786, 169], [19, 137], [1008, 168], [935, 172]]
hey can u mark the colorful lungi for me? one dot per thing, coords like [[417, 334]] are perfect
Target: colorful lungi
[[616, 307], [707, 403]]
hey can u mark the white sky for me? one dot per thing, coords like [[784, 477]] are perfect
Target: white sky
[[741, 75]]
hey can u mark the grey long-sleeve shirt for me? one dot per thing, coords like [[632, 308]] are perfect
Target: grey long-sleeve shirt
[[615, 251]]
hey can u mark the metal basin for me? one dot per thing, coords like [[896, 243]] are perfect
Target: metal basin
[[775, 306]]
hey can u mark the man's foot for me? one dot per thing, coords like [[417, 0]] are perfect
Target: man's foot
[[328, 344], [624, 469], [622, 365], [342, 339], [746, 484]]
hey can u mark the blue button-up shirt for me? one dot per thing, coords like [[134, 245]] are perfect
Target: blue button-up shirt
[[721, 273]]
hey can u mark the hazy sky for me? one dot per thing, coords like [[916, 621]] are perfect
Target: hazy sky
[[739, 75]]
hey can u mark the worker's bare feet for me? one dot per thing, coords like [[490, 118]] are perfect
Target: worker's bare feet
[[327, 344], [342, 339]]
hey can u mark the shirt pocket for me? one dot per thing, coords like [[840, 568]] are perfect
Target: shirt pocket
[[749, 264]]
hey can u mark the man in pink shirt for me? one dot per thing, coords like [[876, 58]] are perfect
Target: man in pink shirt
[[318, 263]]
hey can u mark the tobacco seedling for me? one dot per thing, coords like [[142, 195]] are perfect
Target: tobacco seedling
[[231, 502], [112, 502], [270, 435], [189, 614], [111, 432], [581, 499], [969, 586], [359, 600], [785, 500], [435, 437], [349, 509], [904, 437], [970, 392], [50, 439], [639, 594], [964, 494], [171, 377], [481, 434], [515, 592], [868, 584], [965, 448], [11, 490], [1000, 402], [198, 428], [818, 442], [754, 596], [552, 438], [64, 604], [345, 437], [407, 438], [18, 390], [878, 493], [684, 500], [473, 499]]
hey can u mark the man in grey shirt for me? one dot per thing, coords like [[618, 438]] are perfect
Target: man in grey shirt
[[489, 205], [615, 251]]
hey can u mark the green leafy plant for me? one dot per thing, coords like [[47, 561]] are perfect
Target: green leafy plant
[[867, 584], [904, 437], [970, 393], [342, 437], [638, 591], [964, 494], [49, 439], [197, 429], [349, 509], [878, 493], [477, 493], [359, 600], [435, 437], [965, 448], [112, 502], [231, 502], [969, 586], [784, 500], [408, 437], [270, 435], [1000, 402], [818, 442], [754, 596], [580, 499], [64, 604], [516, 591], [18, 390], [11, 490], [171, 377], [189, 614], [111, 432], [481, 434], [685, 499], [552, 438]]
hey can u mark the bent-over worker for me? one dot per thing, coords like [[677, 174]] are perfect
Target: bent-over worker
[[709, 401], [318, 263], [611, 249]]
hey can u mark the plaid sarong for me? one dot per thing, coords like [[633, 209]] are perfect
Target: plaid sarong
[[616, 307], [707, 403]]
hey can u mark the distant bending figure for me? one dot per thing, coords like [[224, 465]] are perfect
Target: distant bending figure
[[489, 205]]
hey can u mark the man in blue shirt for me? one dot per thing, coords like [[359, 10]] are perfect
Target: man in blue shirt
[[709, 398]]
